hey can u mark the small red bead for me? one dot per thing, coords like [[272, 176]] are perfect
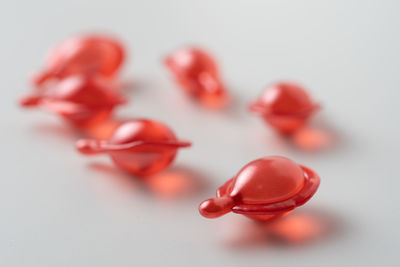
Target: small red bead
[[88, 55], [285, 106], [264, 189], [197, 73], [81, 100], [140, 147]]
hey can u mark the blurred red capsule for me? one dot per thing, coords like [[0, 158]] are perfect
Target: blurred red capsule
[[285, 106], [82, 100], [140, 147], [95, 55], [197, 73]]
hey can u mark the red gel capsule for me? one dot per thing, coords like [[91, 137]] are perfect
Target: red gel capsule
[[197, 73], [83, 101], [140, 147], [89, 55], [285, 106], [263, 190]]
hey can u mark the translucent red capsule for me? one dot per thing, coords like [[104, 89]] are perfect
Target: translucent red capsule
[[197, 73], [284, 106], [140, 147], [264, 189], [81, 100], [87, 55]]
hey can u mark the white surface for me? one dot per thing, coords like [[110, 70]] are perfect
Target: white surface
[[56, 210]]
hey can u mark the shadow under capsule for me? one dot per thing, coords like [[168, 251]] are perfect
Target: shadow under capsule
[[317, 136], [304, 227], [174, 183]]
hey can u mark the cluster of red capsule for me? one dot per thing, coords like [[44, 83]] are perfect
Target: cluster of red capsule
[[79, 83], [78, 80]]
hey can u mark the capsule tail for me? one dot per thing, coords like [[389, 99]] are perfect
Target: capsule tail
[[30, 101], [89, 146], [257, 108], [40, 79], [216, 207]]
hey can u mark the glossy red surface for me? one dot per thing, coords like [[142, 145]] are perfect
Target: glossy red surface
[[140, 147], [285, 106], [264, 189], [88, 54], [81, 100], [197, 73]]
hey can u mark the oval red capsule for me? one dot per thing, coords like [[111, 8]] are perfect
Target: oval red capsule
[[197, 73], [81, 100], [264, 189], [284, 106], [96, 55], [140, 147]]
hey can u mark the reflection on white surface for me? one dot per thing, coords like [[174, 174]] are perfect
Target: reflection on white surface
[[304, 227]]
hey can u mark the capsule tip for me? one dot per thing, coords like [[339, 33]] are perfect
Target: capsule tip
[[168, 61], [216, 207], [39, 79], [184, 143], [29, 101], [87, 146], [256, 108]]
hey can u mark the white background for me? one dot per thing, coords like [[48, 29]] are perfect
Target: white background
[[58, 208]]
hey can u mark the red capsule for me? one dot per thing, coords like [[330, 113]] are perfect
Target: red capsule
[[264, 189], [81, 100], [88, 55], [140, 147], [197, 73], [285, 106]]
